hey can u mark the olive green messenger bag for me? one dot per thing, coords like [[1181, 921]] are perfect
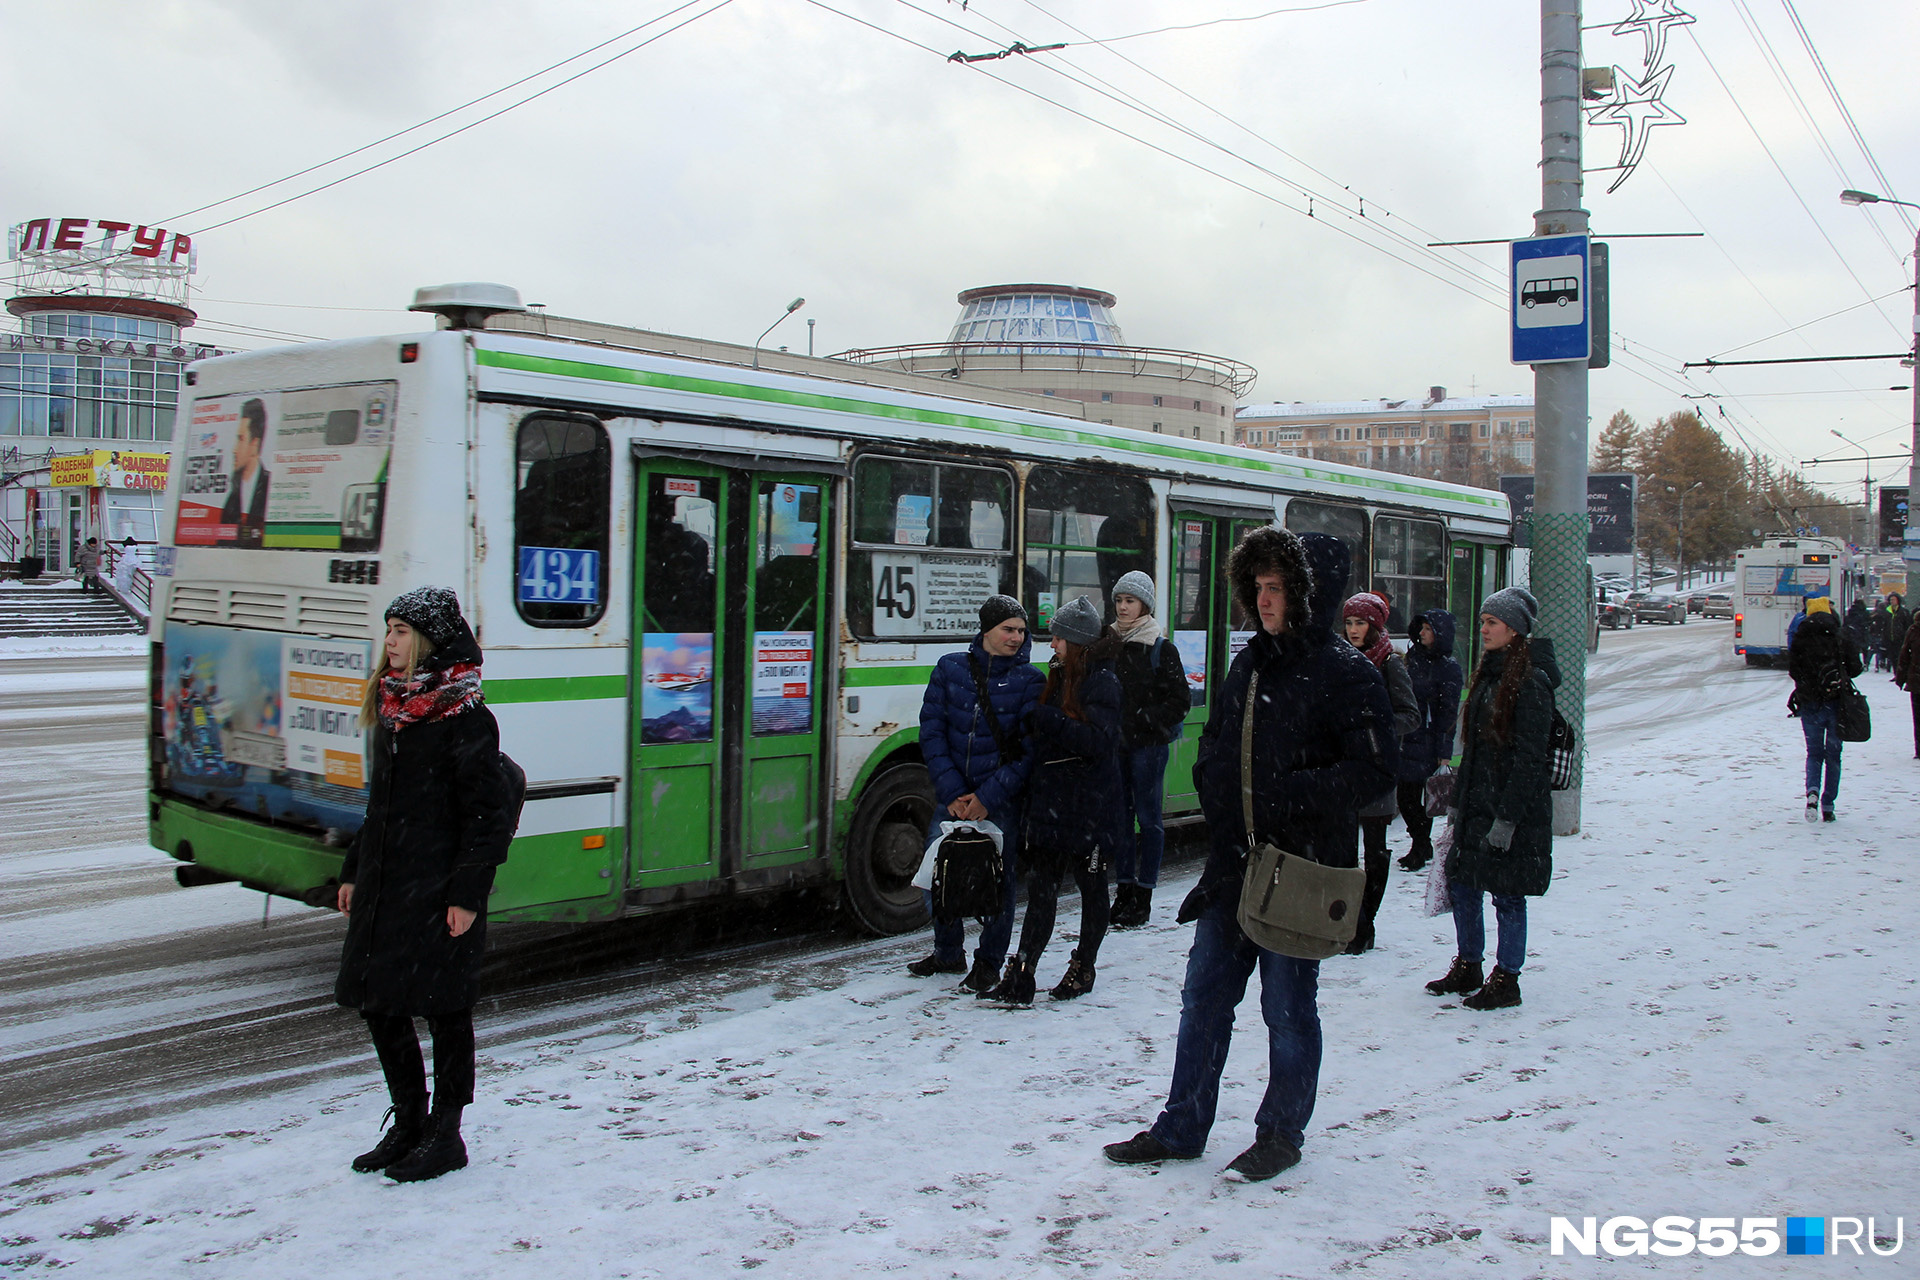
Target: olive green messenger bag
[[1288, 904]]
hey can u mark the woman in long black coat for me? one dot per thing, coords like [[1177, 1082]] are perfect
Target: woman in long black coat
[[1502, 815], [440, 813], [1074, 804]]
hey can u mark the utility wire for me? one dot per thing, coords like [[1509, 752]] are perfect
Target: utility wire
[[1833, 91], [1215, 22], [1810, 323]]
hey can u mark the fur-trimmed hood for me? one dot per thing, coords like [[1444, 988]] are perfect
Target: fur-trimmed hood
[[1270, 550]]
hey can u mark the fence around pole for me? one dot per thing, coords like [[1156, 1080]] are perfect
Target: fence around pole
[[1557, 574]]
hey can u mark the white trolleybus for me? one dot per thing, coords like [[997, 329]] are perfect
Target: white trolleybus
[[1772, 583], [710, 596]]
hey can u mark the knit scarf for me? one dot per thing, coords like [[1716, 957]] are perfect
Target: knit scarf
[[1144, 630], [430, 695], [1380, 650]]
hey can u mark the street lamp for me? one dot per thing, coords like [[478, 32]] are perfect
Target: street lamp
[[1867, 535], [792, 307], [1680, 541], [1911, 550]]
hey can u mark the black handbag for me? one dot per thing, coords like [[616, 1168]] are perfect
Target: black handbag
[[1855, 717], [966, 875]]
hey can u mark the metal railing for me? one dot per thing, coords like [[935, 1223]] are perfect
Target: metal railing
[[1190, 365], [139, 590]]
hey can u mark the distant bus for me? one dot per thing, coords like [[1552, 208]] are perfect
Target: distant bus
[[710, 597], [1773, 581], [1560, 291]]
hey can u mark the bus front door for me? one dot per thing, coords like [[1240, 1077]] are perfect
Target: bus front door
[[727, 734], [1207, 625]]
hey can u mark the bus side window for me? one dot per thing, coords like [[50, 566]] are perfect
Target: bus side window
[[1085, 530], [1349, 524], [1409, 562], [563, 494]]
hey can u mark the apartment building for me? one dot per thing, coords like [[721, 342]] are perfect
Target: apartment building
[[1464, 439]]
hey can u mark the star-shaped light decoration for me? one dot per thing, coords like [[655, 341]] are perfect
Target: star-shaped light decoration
[[1636, 107], [1651, 18]]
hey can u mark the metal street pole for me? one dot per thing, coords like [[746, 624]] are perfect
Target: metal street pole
[[1867, 540], [1910, 551], [1558, 567]]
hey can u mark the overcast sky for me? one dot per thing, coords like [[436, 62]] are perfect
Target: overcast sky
[[776, 149]]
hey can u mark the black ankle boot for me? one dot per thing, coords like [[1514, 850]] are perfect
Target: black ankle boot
[[409, 1125], [1078, 980], [1501, 992], [980, 978], [440, 1151], [1016, 987], [1464, 976], [1131, 906]]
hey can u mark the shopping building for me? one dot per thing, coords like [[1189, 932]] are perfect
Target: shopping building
[[1464, 439], [1061, 341], [90, 370]]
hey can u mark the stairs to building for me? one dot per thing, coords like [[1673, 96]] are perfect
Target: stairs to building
[[58, 607]]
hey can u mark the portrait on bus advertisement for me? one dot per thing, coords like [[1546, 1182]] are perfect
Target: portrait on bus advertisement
[[266, 722], [287, 470]]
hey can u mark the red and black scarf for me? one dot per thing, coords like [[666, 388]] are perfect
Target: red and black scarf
[[430, 695]]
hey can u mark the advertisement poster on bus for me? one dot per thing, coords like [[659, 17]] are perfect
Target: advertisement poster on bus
[[916, 595], [281, 470], [676, 695], [1192, 647], [782, 682], [266, 722]]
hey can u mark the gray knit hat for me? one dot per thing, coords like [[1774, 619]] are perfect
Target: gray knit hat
[[1514, 606], [1077, 620], [1140, 587]]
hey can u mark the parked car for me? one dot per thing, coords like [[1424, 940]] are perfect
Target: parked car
[[1614, 615], [1697, 602], [1660, 607], [1719, 605]]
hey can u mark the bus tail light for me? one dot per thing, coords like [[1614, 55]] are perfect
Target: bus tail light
[[1739, 622]]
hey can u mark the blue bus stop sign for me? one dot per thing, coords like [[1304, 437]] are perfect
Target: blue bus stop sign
[[1550, 300]]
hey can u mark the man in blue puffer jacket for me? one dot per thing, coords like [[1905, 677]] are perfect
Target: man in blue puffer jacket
[[1323, 745], [1437, 680], [972, 778]]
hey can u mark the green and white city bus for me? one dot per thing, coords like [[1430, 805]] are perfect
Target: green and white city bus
[[710, 597]]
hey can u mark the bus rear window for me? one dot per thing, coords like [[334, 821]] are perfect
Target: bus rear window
[[563, 496]]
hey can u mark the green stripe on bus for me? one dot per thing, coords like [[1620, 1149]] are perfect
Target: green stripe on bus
[[934, 417], [869, 677], [310, 541], [555, 689]]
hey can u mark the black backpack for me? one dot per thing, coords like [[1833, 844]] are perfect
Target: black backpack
[[514, 780], [966, 876]]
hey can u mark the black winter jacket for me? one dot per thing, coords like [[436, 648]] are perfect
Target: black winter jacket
[[1074, 802], [1821, 659], [1153, 698], [1437, 680], [1323, 743], [438, 823], [1509, 781]]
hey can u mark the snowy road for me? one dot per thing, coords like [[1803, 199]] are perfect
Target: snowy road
[[1717, 1022]]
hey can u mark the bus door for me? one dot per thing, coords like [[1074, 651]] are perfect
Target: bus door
[[1206, 624], [727, 726], [1475, 571]]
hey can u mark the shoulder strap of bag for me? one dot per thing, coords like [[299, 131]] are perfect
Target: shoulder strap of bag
[[1009, 752], [1246, 756]]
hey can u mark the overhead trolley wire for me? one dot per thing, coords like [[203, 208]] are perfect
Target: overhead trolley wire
[[1833, 91]]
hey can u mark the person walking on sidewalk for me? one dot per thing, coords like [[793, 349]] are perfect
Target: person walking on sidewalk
[[440, 814], [88, 563], [1153, 705], [1424, 752], [1821, 661], [1323, 745], [1364, 618], [1073, 812], [1502, 814], [1906, 674], [972, 737]]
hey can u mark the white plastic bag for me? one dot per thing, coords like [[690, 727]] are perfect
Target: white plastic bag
[[923, 878], [1439, 900]]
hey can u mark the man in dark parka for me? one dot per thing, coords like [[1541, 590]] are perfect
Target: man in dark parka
[[1323, 745]]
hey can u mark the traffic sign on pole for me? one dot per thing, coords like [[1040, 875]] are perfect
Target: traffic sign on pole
[[1550, 298]]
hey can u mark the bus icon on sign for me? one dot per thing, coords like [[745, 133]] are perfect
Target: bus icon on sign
[[1559, 291]]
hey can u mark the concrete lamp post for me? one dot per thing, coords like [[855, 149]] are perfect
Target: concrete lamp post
[[1866, 536]]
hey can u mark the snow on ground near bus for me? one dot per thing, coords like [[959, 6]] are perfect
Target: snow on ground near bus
[[1715, 1024], [47, 646]]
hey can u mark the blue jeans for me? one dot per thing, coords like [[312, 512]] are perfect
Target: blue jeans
[[1143, 774], [1218, 966], [1470, 926], [1820, 721], [950, 932]]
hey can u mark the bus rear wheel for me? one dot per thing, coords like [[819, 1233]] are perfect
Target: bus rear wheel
[[884, 849]]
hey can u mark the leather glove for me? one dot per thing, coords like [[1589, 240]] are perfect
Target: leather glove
[[1500, 835]]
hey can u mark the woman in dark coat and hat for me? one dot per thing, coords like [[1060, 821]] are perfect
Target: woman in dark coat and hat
[[440, 813], [1502, 815]]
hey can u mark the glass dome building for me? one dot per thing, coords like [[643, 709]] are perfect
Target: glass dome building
[[1046, 317]]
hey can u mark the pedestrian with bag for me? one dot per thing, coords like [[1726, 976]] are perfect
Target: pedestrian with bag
[[1906, 674], [972, 738], [1300, 737], [1822, 662], [442, 805], [1502, 815], [88, 564], [1154, 701], [1364, 619], [1073, 811], [1428, 750]]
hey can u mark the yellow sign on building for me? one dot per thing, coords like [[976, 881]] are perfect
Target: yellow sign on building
[[112, 469]]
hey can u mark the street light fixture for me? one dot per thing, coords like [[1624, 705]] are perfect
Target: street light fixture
[[1866, 536], [792, 307], [1680, 576], [1911, 551]]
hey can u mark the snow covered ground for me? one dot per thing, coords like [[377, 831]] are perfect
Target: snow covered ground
[[1716, 1023]]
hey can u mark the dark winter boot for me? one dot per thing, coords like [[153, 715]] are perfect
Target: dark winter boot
[[981, 978], [440, 1151], [1417, 858], [934, 964], [1143, 1148], [1463, 977], [1132, 904], [409, 1126], [1501, 992], [1016, 985], [1266, 1158], [1077, 982]]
